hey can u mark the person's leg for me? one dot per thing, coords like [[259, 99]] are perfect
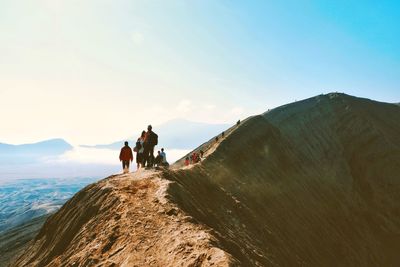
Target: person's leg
[[127, 166], [146, 156], [151, 156], [140, 155], [124, 166]]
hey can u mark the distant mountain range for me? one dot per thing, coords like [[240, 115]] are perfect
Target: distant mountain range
[[30, 153], [50, 147], [58, 158], [175, 134]]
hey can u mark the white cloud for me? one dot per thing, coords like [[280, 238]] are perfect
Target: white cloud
[[87, 155], [83, 155]]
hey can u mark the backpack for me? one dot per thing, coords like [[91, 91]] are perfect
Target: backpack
[[154, 139]]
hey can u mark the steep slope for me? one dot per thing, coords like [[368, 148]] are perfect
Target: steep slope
[[15, 240], [123, 220], [313, 183]]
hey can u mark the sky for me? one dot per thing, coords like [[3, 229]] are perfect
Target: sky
[[90, 71]]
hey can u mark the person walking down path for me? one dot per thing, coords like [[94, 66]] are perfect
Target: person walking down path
[[150, 141], [126, 156], [139, 149]]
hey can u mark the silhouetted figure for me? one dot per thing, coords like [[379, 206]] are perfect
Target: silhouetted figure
[[187, 161], [201, 153], [150, 141], [238, 122], [126, 156], [139, 149], [223, 134], [216, 139], [158, 159]]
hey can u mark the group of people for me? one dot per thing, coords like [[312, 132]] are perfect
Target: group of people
[[144, 149], [194, 158]]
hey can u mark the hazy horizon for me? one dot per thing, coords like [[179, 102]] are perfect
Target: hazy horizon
[[57, 158]]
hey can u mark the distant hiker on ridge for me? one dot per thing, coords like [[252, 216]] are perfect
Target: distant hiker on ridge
[[187, 161], [150, 141], [126, 156], [195, 158], [139, 149]]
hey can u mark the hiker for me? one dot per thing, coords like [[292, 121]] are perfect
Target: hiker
[[223, 134], [139, 149], [126, 156], [158, 159], [187, 161], [195, 158], [216, 139], [150, 141], [201, 153], [164, 161], [238, 122]]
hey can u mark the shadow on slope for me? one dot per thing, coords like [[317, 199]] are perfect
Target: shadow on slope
[[311, 183]]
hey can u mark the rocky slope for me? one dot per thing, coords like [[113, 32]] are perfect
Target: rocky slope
[[16, 240], [313, 183]]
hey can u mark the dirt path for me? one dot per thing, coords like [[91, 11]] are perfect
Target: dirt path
[[150, 231]]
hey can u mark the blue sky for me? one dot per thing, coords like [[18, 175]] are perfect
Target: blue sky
[[91, 71]]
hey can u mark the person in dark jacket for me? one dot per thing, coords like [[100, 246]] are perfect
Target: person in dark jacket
[[126, 156], [150, 141], [158, 159], [139, 149]]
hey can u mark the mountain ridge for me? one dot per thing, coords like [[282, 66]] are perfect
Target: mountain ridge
[[41, 145], [312, 183]]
